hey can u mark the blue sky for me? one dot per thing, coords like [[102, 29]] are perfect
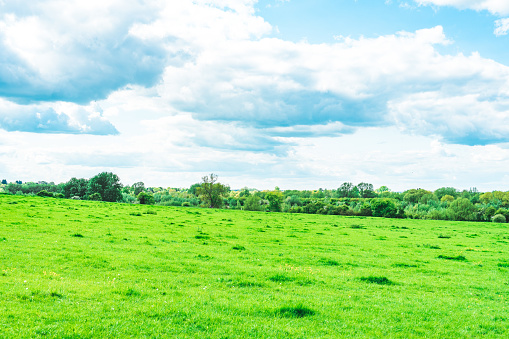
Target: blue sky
[[289, 93]]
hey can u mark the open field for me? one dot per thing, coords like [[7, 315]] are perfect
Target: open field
[[81, 269]]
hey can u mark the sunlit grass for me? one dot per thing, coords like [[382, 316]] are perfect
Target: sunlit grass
[[80, 269]]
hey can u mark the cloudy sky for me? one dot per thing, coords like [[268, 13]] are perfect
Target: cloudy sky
[[295, 93]]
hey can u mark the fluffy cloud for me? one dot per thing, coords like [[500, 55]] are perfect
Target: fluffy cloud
[[500, 7], [45, 119], [213, 64], [73, 50], [501, 27], [468, 119]]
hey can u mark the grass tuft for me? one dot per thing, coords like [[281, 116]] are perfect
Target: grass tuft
[[238, 248], [458, 257], [298, 311], [280, 278], [77, 235], [328, 262], [377, 280]]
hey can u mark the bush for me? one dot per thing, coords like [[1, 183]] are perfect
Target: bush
[[95, 197], [383, 208], [186, 204], [145, 198], [45, 193], [499, 218]]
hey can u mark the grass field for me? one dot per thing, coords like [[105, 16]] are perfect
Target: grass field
[[81, 269]]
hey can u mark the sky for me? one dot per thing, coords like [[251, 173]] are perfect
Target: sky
[[289, 93]]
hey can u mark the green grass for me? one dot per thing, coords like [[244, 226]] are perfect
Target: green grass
[[81, 269]]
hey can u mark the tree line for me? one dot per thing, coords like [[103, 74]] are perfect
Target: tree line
[[446, 203]]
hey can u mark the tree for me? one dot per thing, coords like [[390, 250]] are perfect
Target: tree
[[4, 182], [275, 199], [107, 185], [462, 209], [384, 208], [348, 190], [366, 190], [442, 191], [75, 188], [193, 188], [145, 198], [414, 195], [252, 203], [138, 187], [211, 192]]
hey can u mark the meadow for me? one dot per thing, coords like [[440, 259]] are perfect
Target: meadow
[[84, 269]]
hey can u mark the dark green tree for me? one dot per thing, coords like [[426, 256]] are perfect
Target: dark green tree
[[75, 188], [145, 198], [275, 199], [347, 190], [211, 192], [385, 208], [462, 209], [138, 187], [440, 192], [366, 190], [107, 185], [252, 203]]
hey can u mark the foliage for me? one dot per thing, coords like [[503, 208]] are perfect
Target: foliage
[[252, 203], [138, 187], [385, 208], [211, 192], [75, 188], [107, 185], [275, 199], [145, 198], [500, 218], [462, 209], [95, 197]]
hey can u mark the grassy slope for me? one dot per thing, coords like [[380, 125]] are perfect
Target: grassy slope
[[79, 269]]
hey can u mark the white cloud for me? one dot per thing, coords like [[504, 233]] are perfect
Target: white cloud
[[499, 7], [501, 27], [200, 86]]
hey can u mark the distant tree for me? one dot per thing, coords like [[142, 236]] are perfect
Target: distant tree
[[275, 199], [138, 187], [107, 185], [414, 195], [447, 197], [462, 209], [347, 190], [440, 192], [252, 203], [75, 188], [19, 182], [384, 208], [211, 192], [366, 190], [145, 198], [192, 189], [4, 182]]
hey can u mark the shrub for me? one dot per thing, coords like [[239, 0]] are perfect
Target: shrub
[[499, 218], [186, 204], [145, 198], [45, 193], [95, 197], [383, 208]]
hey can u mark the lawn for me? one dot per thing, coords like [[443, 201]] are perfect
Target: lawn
[[82, 269]]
